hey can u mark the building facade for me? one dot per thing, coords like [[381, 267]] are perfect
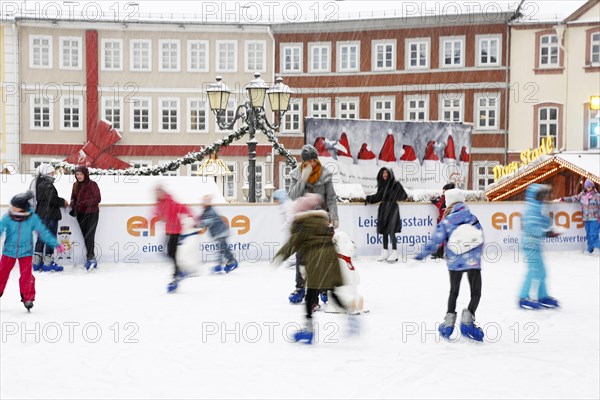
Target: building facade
[[10, 158]]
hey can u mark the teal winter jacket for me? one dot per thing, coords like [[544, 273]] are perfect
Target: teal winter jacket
[[19, 235]]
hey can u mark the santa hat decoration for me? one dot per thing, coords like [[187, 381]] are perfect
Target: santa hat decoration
[[430, 152], [320, 146], [449, 151], [344, 142], [409, 153], [464, 156], [387, 151], [365, 153]]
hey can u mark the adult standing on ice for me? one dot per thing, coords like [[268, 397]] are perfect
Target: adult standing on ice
[[462, 234], [590, 207], [311, 177], [85, 198], [389, 193]]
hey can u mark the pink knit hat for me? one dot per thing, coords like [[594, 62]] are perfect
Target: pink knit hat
[[310, 201]]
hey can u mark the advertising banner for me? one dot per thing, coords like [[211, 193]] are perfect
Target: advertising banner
[[423, 155]]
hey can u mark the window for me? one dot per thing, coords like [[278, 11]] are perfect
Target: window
[[168, 115], [347, 108], [141, 55], [255, 56], [70, 52], [383, 56], [451, 107], [486, 111], [348, 56], [41, 113], [293, 118], [452, 53], [111, 111], [141, 114], [112, 55], [291, 57], [319, 54], [416, 108], [483, 174], [319, 108], [230, 183], [284, 176], [169, 55], [595, 49], [36, 162], [417, 53], [197, 56], [548, 125], [226, 56], [594, 129], [197, 112], [40, 51], [70, 112], [488, 51], [139, 164], [383, 108], [549, 51]]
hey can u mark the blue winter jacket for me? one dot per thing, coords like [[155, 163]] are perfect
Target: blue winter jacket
[[213, 221], [535, 224], [19, 235], [459, 215]]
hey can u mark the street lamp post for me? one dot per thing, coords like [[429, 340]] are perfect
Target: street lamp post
[[252, 112]]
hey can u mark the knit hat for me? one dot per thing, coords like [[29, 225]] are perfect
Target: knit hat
[[588, 183], [454, 196], [280, 195], [310, 201], [309, 153], [44, 169], [449, 186], [21, 200]]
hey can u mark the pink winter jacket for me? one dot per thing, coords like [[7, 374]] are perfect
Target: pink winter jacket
[[169, 210]]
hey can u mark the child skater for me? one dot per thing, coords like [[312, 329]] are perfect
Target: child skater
[[20, 223], [462, 234], [312, 236], [219, 231], [168, 210], [535, 227], [590, 208]]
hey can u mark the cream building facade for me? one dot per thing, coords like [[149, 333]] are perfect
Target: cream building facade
[[10, 158]]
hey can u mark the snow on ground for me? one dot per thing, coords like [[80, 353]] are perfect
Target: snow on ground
[[115, 333]]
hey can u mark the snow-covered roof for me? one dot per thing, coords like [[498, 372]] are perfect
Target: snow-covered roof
[[586, 161]]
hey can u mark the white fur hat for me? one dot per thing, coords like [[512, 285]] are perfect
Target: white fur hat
[[454, 196], [44, 169]]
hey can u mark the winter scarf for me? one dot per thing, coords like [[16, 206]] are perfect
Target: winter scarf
[[315, 174]]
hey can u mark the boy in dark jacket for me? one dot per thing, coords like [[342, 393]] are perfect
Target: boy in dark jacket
[[220, 232], [462, 234], [47, 207], [20, 223]]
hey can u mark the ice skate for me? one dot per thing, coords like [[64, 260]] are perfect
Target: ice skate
[[323, 296], [384, 255], [231, 266], [173, 285], [91, 264], [297, 296], [28, 305], [529, 304], [393, 257], [447, 327], [305, 335], [217, 269], [52, 266], [548, 302], [468, 327]]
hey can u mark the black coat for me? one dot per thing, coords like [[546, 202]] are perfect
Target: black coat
[[389, 193], [48, 203]]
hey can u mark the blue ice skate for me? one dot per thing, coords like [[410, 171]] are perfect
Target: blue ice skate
[[217, 269], [447, 327], [297, 296], [529, 304], [468, 327], [323, 296], [231, 266], [91, 264], [548, 302], [173, 285], [38, 267], [52, 267], [304, 335]]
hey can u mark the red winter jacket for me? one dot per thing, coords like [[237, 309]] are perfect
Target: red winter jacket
[[169, 210], [85, 196]]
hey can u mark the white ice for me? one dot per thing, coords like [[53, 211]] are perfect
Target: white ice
[[115, 333]]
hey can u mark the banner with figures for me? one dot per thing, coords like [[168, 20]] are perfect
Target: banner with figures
[[423, 155]]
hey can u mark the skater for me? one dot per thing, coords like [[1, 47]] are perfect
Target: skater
[[590, 207], [286, 206], [312, 237], [535, 227], [47, 207], [169, 211], [311, 177], [220, 232], [85, 198], [19, 223], [462, 234], [389, 193], [440, 203]]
